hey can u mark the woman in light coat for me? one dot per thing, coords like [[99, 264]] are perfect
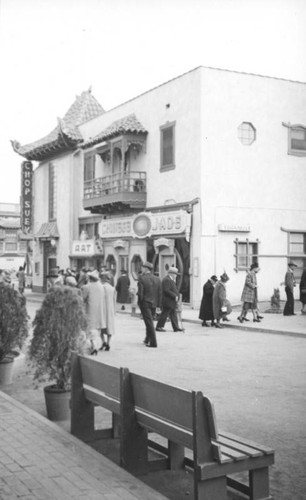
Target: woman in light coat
[[110, 300], [95, 302], [220, 302], [249, 295]]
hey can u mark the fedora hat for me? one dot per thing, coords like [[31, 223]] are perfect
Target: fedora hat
[[214, 278], [147, 264], [224, 277], [94, 275], [173, 270], [292, 264]]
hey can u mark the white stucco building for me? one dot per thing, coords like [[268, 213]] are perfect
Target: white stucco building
[[207, 171]]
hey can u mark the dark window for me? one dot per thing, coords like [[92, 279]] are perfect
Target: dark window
[[167, 147], [52, 192], [89, 167], [297, 141]]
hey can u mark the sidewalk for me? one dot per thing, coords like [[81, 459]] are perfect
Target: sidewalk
[[272, 323], [39, 460]]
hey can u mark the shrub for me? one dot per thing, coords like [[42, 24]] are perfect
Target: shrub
[[14, 327], [58, 329]]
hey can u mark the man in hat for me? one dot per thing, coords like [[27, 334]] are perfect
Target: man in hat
[[220, 300], [170, 297], [289, 288], [146, 299], [95, 302], [206, 309]]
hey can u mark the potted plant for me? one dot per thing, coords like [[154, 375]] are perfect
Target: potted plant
[[14, 329], [58, 329]]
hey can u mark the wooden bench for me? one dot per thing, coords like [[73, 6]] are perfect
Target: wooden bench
[[186, 419]]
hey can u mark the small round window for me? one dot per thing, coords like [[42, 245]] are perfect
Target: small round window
[[246, 133]]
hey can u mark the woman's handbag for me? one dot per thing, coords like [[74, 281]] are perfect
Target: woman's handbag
[[227, 308]]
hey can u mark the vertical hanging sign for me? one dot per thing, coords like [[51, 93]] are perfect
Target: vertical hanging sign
[[26, 196]]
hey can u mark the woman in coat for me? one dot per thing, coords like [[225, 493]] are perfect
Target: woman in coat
[[122, 289], [249, 295], [206, 309], [110, 301], [303, 292], [220, 301]]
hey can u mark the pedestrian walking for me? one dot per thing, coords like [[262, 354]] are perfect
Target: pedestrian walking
[[95, 302], [221, 306], [82, 278], [249, 295], [146, 299], [21, 279], [170, 297], [290, 283], [206, 309], [303, 292], [122, 289], [110, 301]]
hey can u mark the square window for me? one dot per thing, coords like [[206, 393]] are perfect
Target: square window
[[246, 254], [297, 140]]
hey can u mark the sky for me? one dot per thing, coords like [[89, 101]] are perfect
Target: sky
[[52, 50]]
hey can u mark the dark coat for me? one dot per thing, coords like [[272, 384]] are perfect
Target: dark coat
[[169, 293], [303, 288], [157, 291], [146, 289], [122, 288], [206, 308]]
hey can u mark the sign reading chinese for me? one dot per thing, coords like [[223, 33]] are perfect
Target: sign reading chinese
[[26, 196], [146, 224]]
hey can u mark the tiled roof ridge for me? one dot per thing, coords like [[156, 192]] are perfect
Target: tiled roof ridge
[[129, 123]]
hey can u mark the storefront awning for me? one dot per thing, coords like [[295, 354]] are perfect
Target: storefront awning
[[47, 230]]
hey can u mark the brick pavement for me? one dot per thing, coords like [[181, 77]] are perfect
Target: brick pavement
[[39, 460]]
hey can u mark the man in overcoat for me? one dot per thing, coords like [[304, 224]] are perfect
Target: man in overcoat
[[289, 288], [170, 297], [146, 298]]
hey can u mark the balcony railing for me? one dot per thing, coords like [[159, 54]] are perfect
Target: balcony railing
[[127, 189]]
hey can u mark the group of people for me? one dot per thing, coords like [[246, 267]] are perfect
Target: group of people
[[156, 296], [215, 305]]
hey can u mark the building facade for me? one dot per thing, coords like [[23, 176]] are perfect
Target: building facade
[[14, 244], [206, 171]]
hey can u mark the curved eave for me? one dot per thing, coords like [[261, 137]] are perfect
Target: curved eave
[[103, 138], [47, 150]]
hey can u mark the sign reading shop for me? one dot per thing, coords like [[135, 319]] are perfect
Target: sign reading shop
[[146, 224]]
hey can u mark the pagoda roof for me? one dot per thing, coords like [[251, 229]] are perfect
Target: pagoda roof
[[128, 124], [66, 135]]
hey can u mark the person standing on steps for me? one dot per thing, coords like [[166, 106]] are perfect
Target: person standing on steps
[[249, 295], [146, 298], [206, 309], [170, 296], [289, 289], [220, 300]]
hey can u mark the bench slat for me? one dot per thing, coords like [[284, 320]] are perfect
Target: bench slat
[[233, 454], [252, 452], [101, 399], [164, 400], [103, 377], [167, 429], [247, 442]]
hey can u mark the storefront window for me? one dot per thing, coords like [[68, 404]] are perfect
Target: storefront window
[[136, 263], [111, 264]]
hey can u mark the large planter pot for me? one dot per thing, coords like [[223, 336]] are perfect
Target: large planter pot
[[6, 371], [57, 403]]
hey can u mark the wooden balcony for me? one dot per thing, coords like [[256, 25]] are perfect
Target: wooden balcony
[[116, 192]]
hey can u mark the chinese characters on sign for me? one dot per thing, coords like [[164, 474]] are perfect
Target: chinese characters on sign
[[26, 196]]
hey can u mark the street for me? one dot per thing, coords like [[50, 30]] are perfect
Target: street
[[255, 380]]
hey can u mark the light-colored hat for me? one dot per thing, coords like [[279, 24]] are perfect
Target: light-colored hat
[[147, 264], [71, 281], [94, 275], [173, 270], [106, 275]]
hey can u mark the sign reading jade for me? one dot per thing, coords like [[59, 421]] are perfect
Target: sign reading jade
[[146, 224]]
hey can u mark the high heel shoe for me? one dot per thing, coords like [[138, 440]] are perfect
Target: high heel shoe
[[240, 319], [103, 346], [94, 352], [259, 317], [256, 320], [107, 347]]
